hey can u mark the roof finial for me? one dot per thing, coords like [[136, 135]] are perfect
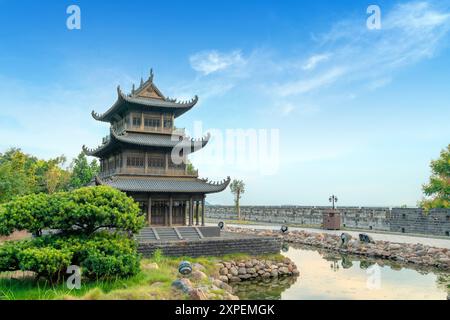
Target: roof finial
[[132, 89], [142, 82], [151, 75]]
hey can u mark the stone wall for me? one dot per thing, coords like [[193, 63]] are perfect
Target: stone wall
[[216, 247], [436, 222]]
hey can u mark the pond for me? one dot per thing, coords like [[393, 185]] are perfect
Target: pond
[[328, 275]]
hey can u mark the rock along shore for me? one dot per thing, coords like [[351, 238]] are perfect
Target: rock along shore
[[402, 252], [235, 271]]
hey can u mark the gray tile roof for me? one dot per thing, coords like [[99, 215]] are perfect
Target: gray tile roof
[[151, 184], [178, 107], [149, 140], [160, 140]]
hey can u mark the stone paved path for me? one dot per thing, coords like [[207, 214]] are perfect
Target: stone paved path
[[435, 242]]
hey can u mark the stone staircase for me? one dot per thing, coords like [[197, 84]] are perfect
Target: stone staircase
[[169, 234]]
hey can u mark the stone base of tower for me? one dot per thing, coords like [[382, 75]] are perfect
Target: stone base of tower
[[225, 243]]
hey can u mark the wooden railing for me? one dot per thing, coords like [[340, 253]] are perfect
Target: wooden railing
[[150, 171], [176, 131]]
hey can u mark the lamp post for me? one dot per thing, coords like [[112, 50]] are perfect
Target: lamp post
[[333, 199]]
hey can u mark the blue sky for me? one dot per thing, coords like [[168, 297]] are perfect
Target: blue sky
[[359, 113]]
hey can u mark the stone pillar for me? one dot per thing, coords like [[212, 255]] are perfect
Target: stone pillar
[[203, 211], [170, 210], [197, 204]]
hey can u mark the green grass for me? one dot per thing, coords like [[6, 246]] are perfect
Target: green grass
[[149, 284]]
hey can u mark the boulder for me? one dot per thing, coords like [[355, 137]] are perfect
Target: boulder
[[229, 296], [223, 271], [183, 284], [395, 246], [283, 270], [150, 266], [251, 270], [242, 271], [198, 266], [197, 294], [198, 275], [234, 271]]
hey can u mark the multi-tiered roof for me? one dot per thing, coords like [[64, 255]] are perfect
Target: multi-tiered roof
[[127, 135]]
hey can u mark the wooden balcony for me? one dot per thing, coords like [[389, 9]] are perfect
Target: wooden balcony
[[170, 172], [131, 128]]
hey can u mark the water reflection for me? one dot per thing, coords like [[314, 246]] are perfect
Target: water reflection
[[331, 275], [267, 289]]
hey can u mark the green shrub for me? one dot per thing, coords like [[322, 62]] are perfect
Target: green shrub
[[157, 255], [92, 208], [101, 266], [109, 256], [47, 262], [103, 255], [8, 257], [82, 211], [29, 213], [79, 215]]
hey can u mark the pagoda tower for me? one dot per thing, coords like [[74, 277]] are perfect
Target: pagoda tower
[[145, 155]]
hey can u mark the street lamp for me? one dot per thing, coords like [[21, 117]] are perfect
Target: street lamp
[[333, 199]]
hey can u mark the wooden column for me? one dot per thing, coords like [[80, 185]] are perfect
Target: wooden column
[[146, 162], [167, 162], [170, 210], [149, 211], [184, 211], [197, 203], [203, 211], [166, 216], [191, 211], [142, 121], [162, 123]]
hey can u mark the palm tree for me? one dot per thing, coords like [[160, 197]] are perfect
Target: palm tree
[[237, 187]]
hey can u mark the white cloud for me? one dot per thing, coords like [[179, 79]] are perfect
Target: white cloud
[[369, 59], [307, 85], [287, 109], [207, 62], [312, 62]]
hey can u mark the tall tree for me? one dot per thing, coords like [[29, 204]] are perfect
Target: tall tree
[[17, 174], [438, 189], [82, 171], [237, 187], [22, 174]]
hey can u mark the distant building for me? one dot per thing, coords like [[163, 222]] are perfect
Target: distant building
[[145, 155]]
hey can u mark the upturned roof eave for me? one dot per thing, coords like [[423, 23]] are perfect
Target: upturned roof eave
[[192, 145], [124, 101], [146, 185]]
